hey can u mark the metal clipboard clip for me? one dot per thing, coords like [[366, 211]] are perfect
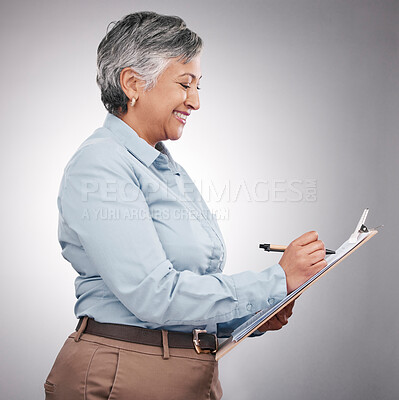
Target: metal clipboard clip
[[360, 227]]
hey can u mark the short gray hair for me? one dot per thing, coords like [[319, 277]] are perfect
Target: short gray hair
[[144, 41]]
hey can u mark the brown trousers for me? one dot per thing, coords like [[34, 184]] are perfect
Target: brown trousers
[[97, 368]]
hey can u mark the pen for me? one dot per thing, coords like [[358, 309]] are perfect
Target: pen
[[281, 248]]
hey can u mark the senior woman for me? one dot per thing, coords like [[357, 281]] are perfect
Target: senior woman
[[149, 256]]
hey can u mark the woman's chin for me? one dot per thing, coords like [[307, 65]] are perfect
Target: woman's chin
[[176, 135]]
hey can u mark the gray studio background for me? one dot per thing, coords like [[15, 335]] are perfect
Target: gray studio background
[[296, 94]]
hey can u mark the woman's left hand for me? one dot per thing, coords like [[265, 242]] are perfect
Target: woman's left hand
[[279, 320]]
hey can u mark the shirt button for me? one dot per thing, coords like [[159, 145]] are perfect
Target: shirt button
[[249, 307], [271, 301]]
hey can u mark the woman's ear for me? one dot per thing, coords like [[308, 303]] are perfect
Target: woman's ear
[[130, 83]]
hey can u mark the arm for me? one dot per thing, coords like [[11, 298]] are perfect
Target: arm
[[129, 257]]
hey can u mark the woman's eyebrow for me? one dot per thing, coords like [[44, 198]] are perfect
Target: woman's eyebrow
[[192, 75]]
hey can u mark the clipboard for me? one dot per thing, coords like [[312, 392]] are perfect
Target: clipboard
[[359, 237]]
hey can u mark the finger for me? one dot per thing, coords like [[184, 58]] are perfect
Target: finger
[[314, 246], [275, 324], [264, 327], [317, 256], [306, 238], [288, 309], [319, 266], [282, 317]]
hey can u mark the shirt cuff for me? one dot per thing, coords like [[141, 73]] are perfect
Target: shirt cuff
[[260, 290]]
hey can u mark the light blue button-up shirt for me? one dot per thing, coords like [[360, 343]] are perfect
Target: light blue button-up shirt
[[145, 245]]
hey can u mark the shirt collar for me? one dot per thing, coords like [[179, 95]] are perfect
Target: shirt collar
[[131, 140]]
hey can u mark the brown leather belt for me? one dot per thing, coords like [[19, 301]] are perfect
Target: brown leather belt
[[199, 340]]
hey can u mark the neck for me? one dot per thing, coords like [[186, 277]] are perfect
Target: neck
[[133, 122]]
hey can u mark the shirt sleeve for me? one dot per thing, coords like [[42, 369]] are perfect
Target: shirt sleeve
[[128, 255]]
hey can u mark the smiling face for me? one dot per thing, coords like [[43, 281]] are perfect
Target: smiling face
[[162, 112]]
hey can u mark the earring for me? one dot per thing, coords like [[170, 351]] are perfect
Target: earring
[[133, 102]]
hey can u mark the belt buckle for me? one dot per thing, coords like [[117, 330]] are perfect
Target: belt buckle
[[197, 342]]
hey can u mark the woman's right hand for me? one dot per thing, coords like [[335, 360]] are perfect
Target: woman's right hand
[[303, 258]]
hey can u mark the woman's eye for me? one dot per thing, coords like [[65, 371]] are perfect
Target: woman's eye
[[188, 86]]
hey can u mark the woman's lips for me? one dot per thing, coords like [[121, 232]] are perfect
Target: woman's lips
[[182, 117]]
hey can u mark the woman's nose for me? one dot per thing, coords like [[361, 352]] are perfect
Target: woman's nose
[[192, 100]]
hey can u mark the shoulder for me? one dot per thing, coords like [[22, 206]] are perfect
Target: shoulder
[[100, 154]]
